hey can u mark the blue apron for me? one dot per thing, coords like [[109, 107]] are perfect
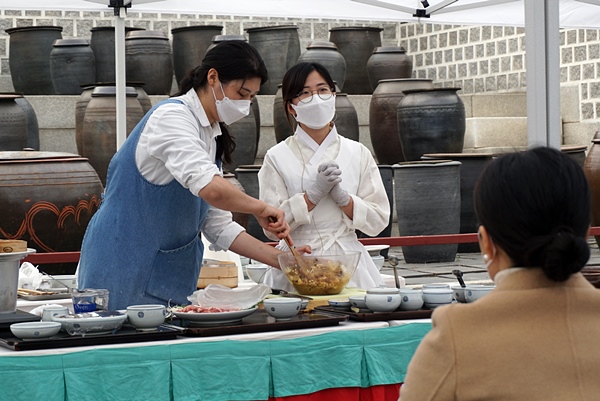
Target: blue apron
[[143, 243]]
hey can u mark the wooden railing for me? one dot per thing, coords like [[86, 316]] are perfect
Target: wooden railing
[[69, 257]]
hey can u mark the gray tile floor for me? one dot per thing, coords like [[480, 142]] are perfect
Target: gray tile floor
[[470, 264]]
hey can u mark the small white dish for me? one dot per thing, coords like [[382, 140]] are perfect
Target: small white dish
[[29, 330], [93, 323], [341, 303], [282, 308], [358, 301], [215, 318]]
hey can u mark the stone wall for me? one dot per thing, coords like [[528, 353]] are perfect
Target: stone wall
[[478, 59]]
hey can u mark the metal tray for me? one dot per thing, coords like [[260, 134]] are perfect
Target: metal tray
[[377, 316], [127, 334], [260, 321], [56, 295]]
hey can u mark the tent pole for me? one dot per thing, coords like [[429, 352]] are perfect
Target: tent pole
[[542, 36], [120, 75]]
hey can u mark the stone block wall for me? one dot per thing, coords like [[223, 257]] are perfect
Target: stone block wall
[[478, 59]]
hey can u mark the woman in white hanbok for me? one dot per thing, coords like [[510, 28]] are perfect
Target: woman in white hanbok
[[329, 186]]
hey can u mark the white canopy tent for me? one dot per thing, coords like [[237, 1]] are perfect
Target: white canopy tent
[[541, 18]]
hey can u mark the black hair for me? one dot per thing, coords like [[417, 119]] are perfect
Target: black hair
[[535, 205], [294, 80], [233, 60]]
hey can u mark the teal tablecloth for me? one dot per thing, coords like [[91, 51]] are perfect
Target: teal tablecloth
[[216, 370]]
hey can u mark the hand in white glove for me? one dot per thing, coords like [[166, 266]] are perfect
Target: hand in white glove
[[340, 196], [328, 175]]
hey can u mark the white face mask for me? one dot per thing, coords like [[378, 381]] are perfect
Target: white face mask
[[316, 114], [230, 111]]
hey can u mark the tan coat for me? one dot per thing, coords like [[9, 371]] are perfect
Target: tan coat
[[529, 339]]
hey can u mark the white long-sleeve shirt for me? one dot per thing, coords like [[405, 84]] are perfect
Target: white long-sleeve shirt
[[178, 142]]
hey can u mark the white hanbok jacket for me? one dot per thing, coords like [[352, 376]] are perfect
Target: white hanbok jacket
[[291, 166]]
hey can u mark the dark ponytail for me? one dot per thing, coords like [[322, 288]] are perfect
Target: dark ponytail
[[535, 205], [233, 60]]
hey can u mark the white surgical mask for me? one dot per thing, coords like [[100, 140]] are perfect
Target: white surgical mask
[[316, 114], [230, 111]]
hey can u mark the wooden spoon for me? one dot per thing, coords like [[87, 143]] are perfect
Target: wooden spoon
[[288, 241]]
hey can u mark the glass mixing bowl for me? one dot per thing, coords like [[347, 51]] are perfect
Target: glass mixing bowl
[[319, 274]]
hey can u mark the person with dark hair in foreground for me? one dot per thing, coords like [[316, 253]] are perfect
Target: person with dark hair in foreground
[[535, 336], [165, 185]]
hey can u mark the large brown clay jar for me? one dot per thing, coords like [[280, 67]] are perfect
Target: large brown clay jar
[[47, 199]]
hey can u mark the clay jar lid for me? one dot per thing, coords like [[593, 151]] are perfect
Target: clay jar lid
[[223, 38], [112, 91], [469, 155], [268, 28], [37, 156], [143, 34], [33, 28], [356, 28], [70, 42], [196, 28], [322, 44], [389, 49]]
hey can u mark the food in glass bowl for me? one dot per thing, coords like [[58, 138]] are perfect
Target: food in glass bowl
[[319, 274]]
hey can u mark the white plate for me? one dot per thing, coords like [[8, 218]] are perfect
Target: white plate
[[215, 318], [104, 324]]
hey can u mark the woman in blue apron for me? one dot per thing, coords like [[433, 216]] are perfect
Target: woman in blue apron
[[164, 186]]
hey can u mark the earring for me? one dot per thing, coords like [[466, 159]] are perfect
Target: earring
[[486, 257]]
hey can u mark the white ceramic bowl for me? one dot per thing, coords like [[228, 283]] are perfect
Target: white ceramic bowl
[[434, 297], [256, 271], [146, 317], [50, 311], [383, 299], [379, 261], [411, 299], [435, 286], [358, 301], [282, 308], [375, 250], [474, 292], [31, 330], [459, 293]]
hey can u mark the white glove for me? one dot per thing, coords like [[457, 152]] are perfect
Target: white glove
[[328, 175], [340, 196]]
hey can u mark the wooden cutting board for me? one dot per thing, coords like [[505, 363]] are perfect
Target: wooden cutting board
[[12, 245]]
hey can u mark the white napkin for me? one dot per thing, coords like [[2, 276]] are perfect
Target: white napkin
[[219, 296], [29, 276]]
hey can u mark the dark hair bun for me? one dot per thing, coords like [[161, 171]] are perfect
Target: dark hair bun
[[564, 255]]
